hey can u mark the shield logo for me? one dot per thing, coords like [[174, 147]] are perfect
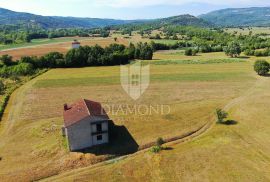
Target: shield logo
[[135, 79]]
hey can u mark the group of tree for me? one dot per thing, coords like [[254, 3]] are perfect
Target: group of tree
[[15, 34], [257, 53], [114, 54]]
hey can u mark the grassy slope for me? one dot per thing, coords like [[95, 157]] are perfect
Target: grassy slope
[[227, 153], [192, 102], [37, 42], [62, 45]]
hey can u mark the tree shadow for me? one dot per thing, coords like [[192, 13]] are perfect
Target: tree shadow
[[230, 122], [121, 142], [266, 75], [167, 148], [243, 57]]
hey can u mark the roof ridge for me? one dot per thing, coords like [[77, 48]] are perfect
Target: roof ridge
[[84, 101]]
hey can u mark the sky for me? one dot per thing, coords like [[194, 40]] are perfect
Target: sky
[[125, 9]]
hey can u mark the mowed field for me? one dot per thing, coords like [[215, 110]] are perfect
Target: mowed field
[[245, 31], [237, 151], [59, 44], [32, 147]]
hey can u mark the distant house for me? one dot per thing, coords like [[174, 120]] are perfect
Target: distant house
[[76, 44], [85, 124]]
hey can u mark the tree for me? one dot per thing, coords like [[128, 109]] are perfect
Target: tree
[[233, 49], [157, 36], [262, 67], [76, 57], [51, 59], [2, 86], [144, 51], [6, 60], [221, 115], [160, 142], [194, 52], [175, 37], [188, 52]]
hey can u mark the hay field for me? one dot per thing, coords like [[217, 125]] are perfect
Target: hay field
[[31, 145], [245, 31], [237, 152], [59, 45]]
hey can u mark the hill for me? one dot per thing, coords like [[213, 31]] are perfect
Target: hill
[[257, 16], [8, 17], [185, 20]]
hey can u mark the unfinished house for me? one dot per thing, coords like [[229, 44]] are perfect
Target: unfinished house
[[85, 124]]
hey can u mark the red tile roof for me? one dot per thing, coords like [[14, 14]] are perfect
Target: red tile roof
[[82, 109]]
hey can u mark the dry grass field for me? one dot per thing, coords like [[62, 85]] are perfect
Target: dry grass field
[[60, 46], [236, 152], [31, 145], [245, 31]]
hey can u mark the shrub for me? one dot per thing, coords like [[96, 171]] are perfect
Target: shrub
[[159, 142], [194, 52], [221, 115], [2, 87], [261, 67], [155, 149], [6, 60], [188, 52]]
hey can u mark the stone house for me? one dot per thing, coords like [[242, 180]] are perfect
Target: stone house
[[85, 124]]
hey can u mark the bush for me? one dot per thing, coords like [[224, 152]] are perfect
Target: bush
[[155, 149], [159, 142], [261, 67], [2, 87], [191, 52], [188, 52], [6, 60], [221, 115]]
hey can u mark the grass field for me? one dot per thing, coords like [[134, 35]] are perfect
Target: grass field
[[238, 152], [36, 42], [41, 47], [31, 127], [245, 31]]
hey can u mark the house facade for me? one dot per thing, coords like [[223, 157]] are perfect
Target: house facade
[[85, 124], [76, 44]]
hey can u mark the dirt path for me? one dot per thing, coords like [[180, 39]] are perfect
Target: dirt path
[[260, 81], [14, 106]]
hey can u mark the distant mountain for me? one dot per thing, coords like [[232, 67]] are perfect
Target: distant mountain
[[185, 20], [239, 17], [8, 17], [14, 18]]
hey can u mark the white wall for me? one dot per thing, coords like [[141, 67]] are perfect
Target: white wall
[[75, 46], [80, 134]]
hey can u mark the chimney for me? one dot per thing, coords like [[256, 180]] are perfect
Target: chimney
[[65, 107]]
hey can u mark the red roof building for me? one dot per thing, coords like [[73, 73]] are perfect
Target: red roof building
[[85, 124]]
